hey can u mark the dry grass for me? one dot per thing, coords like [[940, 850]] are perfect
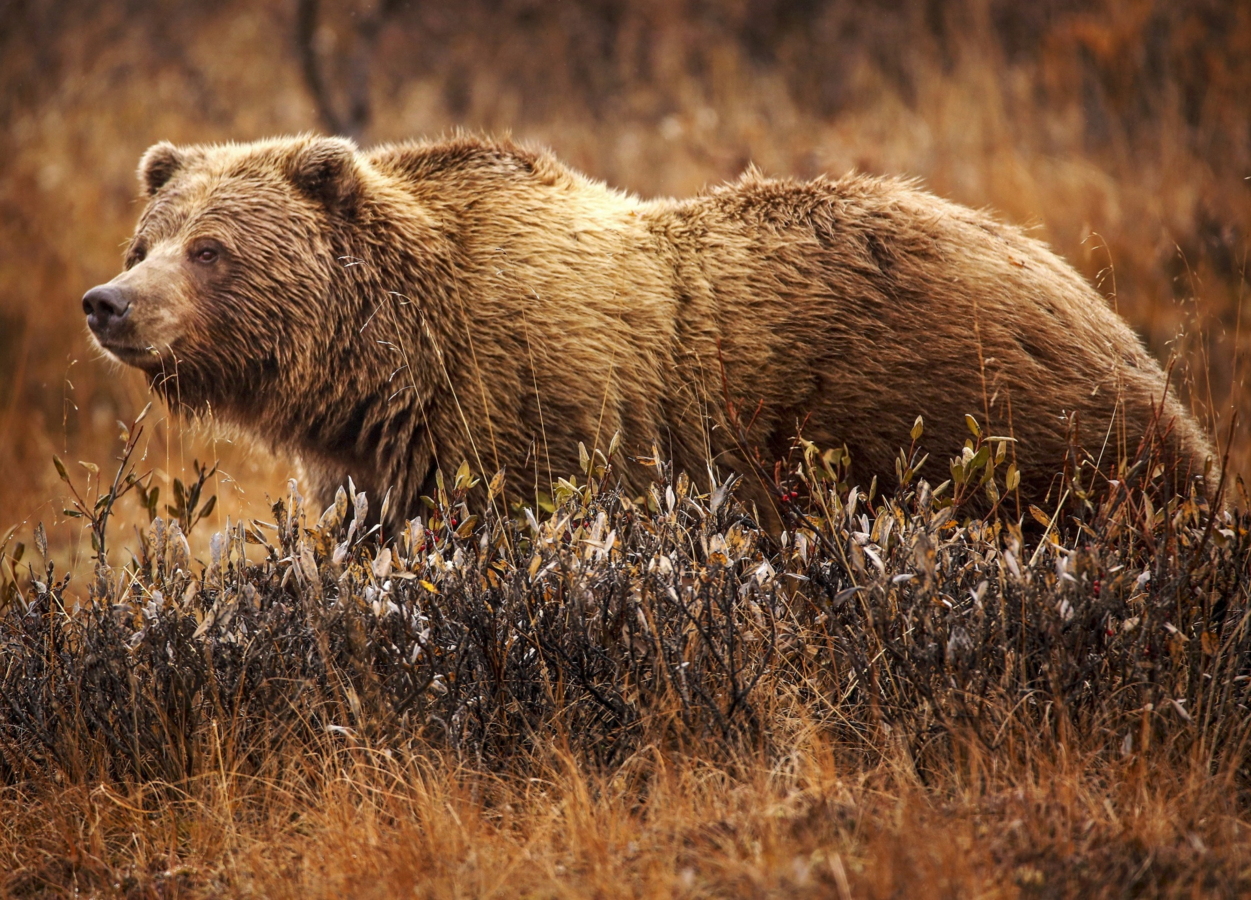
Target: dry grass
[[357, 825], [1034, 754], [1119, 130], [642, 698]]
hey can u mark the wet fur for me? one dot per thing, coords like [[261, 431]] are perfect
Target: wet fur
[[416, 305]]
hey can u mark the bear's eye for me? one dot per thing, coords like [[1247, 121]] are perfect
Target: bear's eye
[[206, 255], [138, 254]]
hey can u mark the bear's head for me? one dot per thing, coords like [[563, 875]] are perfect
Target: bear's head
[[232, 270]]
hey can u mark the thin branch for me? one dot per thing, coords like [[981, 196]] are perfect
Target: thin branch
[[356, 86], [305, 31]]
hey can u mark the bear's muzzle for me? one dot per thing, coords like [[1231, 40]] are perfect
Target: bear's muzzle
[[107, 308]]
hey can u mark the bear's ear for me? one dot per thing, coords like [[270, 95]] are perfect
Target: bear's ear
[[158, 166], [325, 170]]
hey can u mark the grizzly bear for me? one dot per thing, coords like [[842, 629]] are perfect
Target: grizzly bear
[[384, 314]]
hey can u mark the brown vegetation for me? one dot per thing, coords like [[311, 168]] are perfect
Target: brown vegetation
[[927, 736], [1120, 131], [641, 699]]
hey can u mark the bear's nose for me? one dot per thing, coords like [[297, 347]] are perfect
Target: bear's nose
[[105, 306]]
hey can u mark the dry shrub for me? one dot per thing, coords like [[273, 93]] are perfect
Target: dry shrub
[[652, 686]]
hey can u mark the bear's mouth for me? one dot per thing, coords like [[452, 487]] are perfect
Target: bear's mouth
[[140, 356]]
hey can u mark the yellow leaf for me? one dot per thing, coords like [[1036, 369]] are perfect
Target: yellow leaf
[[496, 485]]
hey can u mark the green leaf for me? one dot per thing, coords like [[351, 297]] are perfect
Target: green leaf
[[918, 428], [831, 460], [60, 468], [973, 426]]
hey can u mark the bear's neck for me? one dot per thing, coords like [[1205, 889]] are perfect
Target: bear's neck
[[365, 411]]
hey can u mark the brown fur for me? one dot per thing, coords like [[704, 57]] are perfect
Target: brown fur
[[381, 313]]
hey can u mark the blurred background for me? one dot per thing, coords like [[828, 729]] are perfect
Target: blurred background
[[1119, 130]]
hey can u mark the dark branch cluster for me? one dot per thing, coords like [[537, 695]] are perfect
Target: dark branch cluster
[[612, 624]]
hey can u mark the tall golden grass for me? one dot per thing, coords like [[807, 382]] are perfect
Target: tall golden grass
[[354, 824], [1119, 130]]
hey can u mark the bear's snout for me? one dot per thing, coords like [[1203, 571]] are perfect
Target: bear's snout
[[106, 307]]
